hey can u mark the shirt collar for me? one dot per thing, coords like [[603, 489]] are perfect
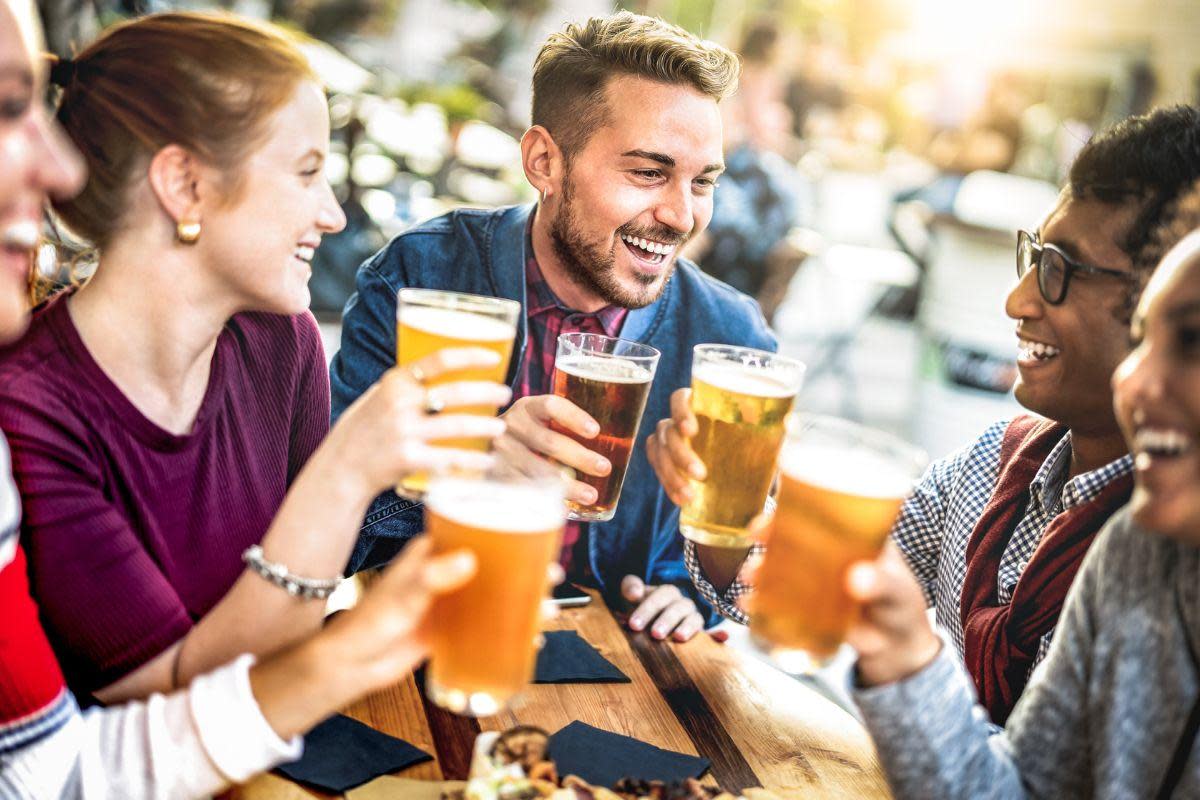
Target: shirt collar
[[1051, 489], [540, 298]]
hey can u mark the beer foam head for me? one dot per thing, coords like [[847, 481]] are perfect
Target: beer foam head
[[607, 369], [745, 379], [454, 324], [853, 470], [506, 507]]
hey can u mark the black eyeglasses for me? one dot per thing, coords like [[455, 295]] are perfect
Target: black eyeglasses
[[1055, 267]]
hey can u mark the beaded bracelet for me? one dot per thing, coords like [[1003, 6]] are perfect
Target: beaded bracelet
[[278, 574]]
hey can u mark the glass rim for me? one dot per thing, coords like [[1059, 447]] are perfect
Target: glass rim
[[459, 301], [548, 488], [882, 441], [648, 353], [754, 352]]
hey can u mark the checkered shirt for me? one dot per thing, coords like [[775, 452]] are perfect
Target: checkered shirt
[[547, 317], [936, 523]]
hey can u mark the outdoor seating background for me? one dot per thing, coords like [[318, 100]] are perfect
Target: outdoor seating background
[[880, 109]]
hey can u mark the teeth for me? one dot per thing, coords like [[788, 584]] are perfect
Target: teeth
[[1161, 441], [653, 247], [1037, 350], [23, 235], [305, 253]]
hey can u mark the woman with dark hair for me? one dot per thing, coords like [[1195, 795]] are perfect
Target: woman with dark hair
[[159, 414]]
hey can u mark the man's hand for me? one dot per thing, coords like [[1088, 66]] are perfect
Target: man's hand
[[893, 636], [662, 609], [529, 441], [670, 451]]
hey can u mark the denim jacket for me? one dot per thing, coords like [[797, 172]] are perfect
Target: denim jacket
[[483, 252]]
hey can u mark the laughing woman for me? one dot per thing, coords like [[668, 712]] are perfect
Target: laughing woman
[[1114, 710], [236, 720], [159, 414]]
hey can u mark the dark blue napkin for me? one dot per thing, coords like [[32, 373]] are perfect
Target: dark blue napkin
[[602, 758], [342, 753], [566, 657]]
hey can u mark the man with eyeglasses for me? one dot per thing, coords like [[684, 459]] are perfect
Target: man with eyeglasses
[[995, 532]]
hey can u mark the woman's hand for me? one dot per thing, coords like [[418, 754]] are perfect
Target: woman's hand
[[892, 635], [386, 634], [365, 648], [392, 429]]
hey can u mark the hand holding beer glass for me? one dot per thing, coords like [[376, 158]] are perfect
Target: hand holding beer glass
[[483, 634], [741, 399], [610, 380], [428, 321], [841, 489]]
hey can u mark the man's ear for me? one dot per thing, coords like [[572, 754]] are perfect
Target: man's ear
[[543, 162]]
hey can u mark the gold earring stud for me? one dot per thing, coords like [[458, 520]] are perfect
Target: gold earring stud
[[187, 232]]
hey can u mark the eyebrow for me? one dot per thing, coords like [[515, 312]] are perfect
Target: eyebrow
[[1073, 249], [313, 153], [666, 160]]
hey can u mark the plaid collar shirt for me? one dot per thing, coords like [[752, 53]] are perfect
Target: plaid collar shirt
[[547, 317], [936, 523]]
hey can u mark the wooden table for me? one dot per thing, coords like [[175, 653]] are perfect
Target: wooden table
[[758, 726]]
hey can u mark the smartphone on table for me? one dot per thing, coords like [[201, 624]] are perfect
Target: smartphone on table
[[568, 595]]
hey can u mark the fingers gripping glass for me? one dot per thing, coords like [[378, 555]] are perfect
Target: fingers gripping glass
[[1055, 267]]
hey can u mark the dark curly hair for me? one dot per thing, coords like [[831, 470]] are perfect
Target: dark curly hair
[[1181, 218], [1149, 160]]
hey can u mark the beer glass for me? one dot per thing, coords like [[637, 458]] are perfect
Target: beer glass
[[483, 635], [427, 321], [841, 489], [610, 380], [741, 398]]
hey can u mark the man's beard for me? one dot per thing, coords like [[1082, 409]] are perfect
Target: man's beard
[[592, 269]]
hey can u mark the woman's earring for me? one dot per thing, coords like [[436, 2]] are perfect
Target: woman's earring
[[187, 232]]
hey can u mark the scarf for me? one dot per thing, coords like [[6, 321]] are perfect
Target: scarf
[[1002, 641]]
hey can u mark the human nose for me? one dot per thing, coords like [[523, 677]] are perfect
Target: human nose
[[331, 218], [57, 168], [674, 210], [1025, 299]]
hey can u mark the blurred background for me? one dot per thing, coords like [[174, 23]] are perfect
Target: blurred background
[[881, 155]]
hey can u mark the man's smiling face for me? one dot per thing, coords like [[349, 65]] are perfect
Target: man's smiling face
[[639, 188], [1068, 352]]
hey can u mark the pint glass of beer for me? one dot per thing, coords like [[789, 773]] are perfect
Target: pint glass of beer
[[842, 488], [428, 321], [741, 398], [484, 634], [610, 380]]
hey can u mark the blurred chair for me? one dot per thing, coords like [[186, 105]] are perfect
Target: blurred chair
[[840, 288], [967, 343]]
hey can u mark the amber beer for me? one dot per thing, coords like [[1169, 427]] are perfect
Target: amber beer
[[610, 380], [841, 489], [484, 634], [741, 399], [428, 321]]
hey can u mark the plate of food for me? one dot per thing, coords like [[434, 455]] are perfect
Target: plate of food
[[515, 765]]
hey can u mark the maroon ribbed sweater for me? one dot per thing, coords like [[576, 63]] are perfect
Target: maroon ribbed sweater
[[134, 533]]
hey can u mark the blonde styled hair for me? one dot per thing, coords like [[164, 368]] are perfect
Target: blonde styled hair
[[574, 66]]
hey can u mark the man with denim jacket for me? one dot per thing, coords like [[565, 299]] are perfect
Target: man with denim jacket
[[624, 152]]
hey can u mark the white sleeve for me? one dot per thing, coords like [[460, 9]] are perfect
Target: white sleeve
[[189, 744]]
